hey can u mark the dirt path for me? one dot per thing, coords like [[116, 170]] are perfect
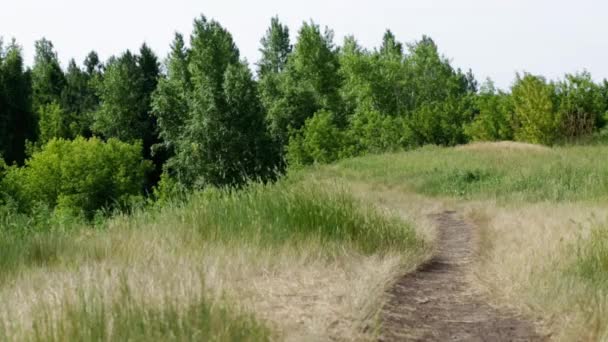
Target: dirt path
[[436, 303]]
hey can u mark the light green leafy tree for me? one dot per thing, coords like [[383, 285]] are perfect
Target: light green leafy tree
[[536, 117]]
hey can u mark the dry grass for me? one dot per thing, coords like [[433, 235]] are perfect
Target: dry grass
[[299, 294], [302, 291], [526, 253], [503, 145], [541, 217]]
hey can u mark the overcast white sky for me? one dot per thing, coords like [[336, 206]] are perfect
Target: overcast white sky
[[495, 38]]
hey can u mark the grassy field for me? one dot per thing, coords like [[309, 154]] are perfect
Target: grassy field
[[310, 257], [541, 214], [295, 260]]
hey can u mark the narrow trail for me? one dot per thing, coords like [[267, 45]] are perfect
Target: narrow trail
[[435, 303]]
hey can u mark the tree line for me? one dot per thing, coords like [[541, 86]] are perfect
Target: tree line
[[96, 134]]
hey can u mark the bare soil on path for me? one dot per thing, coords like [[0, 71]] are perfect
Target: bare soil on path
[[436, 303]]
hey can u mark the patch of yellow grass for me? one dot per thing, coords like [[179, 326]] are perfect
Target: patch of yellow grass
[[300, 293], [503, 145], [524, 249]]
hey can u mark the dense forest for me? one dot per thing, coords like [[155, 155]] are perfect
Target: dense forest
[[107, 134]]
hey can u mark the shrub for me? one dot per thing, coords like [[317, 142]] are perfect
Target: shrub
[[440, 123], [494, 121], [81, 176], [319, 141], [371, 131]]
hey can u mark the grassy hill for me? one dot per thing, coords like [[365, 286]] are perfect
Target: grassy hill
[[311, 256]]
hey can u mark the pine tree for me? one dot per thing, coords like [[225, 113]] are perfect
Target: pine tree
[[17, 123]]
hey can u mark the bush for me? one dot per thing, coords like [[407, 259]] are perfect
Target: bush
[[319, 141], [440, 123], [494, 121], [79, 176], [371, 131]]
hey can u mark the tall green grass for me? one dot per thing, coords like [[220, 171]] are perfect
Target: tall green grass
[[293, 214], [94, 317], [592, 258]]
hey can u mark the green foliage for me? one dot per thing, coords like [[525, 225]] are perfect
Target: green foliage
[[310, 83], [171, 99], [375, 81], [79, 176], [373, 132], [495, 118], [209, 113], [125, 99], [581, 105], [536, 118], [431, 78], [440, 123], [78, 98], [275, 50], [17, 123], [320, 141], [54, 123], [48, 79]]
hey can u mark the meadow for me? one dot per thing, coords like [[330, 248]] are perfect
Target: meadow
[[540, 215], [311, 257], [284, 261]]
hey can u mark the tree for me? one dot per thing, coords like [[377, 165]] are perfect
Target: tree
[[17, 123], [125, 92], [373, 132], [391, 48], [276, 48], [536, 118], [581, 104], [78, 99], [171, 99], [230, 142], [309, 83], [374, 82], [431, 78], [92, 64], [54, 123], [210, 114], [48, 79]]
